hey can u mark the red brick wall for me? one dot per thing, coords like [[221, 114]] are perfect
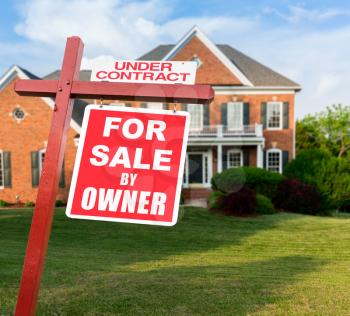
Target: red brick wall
[[24, 137]]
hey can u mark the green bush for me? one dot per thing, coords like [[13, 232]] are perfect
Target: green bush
[[260, 180], [330, 175], [3, 203], [29, 204], [264, 205], [214, 200], [59, 203]]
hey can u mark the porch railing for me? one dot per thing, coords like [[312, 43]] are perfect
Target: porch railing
[[219, 131]]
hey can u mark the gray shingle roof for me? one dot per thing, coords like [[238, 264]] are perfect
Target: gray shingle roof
[[258, 74], [79, 104]]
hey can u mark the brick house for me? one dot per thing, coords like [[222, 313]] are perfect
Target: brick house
[[249, 123]]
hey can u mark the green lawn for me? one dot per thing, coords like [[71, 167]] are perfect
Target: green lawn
[[207, 264]]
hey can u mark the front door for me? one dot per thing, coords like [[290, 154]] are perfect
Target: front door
[[195, 168]]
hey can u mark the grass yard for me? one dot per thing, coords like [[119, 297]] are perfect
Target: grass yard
[[207, 264]]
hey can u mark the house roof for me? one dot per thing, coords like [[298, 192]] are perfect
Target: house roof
[[251, 71]]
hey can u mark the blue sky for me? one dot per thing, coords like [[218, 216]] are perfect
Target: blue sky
[[308, 41]]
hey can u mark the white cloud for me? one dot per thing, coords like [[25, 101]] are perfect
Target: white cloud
[[317, 59]]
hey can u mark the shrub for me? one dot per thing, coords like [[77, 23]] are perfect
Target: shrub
[[214, 200], [264, 205], [257, 179], [330, 175], [29, 204], [3, 203], [241, 203], [298, 197], [59, 203]]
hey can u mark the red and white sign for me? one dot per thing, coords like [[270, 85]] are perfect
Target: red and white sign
[[129, 165], [161, 72]]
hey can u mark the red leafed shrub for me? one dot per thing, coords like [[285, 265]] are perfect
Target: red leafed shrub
[[241, 203], [298, 197]]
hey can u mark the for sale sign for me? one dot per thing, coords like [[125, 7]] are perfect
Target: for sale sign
[[129, 165], [161, 72]]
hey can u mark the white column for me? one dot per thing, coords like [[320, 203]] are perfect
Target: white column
[[259, 156], [219, 159]]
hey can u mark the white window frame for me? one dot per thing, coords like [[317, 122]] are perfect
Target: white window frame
[[240, 104], [268, 115], [161, 105], [234, 151], [200, 106], [274, 150], [206, 156], [2, 185], [40, 158]]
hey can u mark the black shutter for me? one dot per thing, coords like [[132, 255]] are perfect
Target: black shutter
[[206, 118], [35, 168], [62, 181], [224, 159], [143, 105], [129, 105], [246, 119], [263, 114], [184, 107], [7, 169], [285, 159], [246, 158], [285, 115], [224, 114], [264, 159]]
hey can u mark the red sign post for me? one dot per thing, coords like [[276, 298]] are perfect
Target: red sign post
[[64, 91], [129, 165]]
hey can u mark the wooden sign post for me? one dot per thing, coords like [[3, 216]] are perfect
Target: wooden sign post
[[64, 91]]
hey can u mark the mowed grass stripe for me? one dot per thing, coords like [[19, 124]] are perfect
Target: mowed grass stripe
[[208, 264]]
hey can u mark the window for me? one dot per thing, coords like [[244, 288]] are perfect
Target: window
[[196, 112], [1, 169], [155, 106], [18, 114], [117, 104], [198, 170], [234, 158], [197, 60], [274, 160], [41, 160], [274, 115], [235, 116]]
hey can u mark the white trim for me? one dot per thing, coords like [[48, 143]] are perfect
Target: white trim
[[195, 31], [241, 114], [2, 185], [274, 150], [267, 116], [15, 69], [154, 104], [205, 154], [234, 151], [254, 90], [78, 159]]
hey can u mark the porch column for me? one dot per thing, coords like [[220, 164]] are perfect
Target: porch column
[[259, 156], [219, 160]]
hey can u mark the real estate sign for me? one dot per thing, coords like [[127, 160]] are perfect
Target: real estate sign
[[129, 165], [161, 72]]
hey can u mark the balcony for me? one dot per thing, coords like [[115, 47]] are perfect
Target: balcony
[[223, 132]]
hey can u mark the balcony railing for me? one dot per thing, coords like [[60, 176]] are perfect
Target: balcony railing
[[221, 131]]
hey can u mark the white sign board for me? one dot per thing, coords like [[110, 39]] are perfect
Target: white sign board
[[161, 72]]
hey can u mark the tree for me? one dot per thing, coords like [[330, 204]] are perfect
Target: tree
[[328, 130]]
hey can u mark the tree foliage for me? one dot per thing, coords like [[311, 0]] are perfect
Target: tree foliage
[[328, 130]]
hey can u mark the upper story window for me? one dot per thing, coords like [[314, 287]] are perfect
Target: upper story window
[[1, 169], [155, 106], [196, 112], [117, 104], [274, 160], [197, 60], [274, 115], [235, 115], [18, 114], [234, 158]]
